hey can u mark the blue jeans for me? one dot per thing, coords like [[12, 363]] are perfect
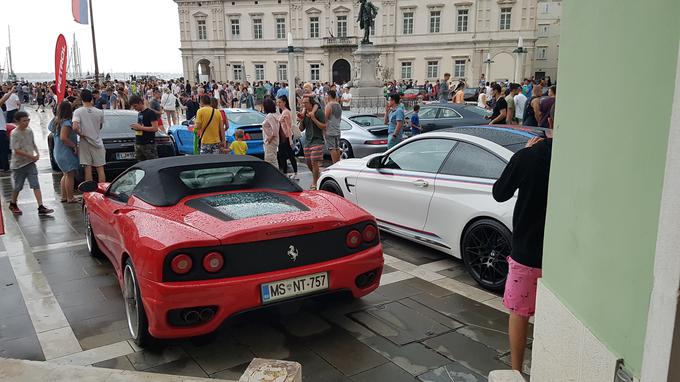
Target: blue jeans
[[392, 141]]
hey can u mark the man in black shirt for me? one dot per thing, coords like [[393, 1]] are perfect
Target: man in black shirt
[[145, 130], [500, 107], [192, 106], [528, 172]]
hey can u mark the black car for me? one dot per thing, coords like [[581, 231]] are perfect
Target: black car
[[471, 94], [435, 115], [119, 141]]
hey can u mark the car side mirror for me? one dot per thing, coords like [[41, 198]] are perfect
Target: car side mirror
[[92, 186], [375, 162]]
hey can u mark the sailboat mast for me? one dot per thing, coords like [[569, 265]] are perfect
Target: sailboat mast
[[9, 49]]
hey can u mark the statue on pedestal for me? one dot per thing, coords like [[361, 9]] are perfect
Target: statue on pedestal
[[367, 14]]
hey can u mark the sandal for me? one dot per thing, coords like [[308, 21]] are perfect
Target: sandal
[[312, 188]]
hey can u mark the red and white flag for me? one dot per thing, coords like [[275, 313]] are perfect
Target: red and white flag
[[60, 57]]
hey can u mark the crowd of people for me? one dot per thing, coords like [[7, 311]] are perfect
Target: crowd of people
[[78, 121]]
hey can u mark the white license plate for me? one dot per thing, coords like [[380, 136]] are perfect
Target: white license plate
[[284, 289], [125, 156]]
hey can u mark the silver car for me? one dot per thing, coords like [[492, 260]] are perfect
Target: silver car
[[360, 135]]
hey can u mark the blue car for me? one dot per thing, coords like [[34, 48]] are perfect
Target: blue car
[[248, 120]]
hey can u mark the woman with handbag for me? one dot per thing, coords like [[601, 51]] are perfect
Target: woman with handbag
[[270, 131], [286, 135]]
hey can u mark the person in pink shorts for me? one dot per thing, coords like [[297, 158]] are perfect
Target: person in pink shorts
[[528, 172]]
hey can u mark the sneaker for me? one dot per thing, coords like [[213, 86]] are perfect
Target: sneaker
[[15, 209], [42, 210]]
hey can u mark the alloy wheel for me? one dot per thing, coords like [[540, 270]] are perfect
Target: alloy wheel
[[485, 252], [131, 300], [345, 150], [88, 230]]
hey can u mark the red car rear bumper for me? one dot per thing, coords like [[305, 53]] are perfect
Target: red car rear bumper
[[238, 294]]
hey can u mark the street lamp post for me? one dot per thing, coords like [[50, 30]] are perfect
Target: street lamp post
[[488, 63], [292, 85], [519, 58]]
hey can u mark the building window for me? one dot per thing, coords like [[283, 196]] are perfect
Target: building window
[[280, 27], [202, 30], [435, 21], [542, 53], [459, 68], [432, 69], [543, 30], [408, 22], [314, 72], [282, 72], [342, 26], [314, 27], [506, 14], [238, 72], [406, 70], [235, 28], [257, 29], [259, 72], [544, 7], [462, 25]]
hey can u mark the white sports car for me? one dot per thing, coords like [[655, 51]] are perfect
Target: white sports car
[[435, 189]]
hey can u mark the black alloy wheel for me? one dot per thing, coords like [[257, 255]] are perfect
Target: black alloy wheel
[[485, 247], [332, 186]]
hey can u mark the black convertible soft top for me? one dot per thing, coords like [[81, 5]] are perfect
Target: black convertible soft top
[[167, 180]]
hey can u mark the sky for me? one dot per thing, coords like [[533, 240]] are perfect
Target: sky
[[132, 35]]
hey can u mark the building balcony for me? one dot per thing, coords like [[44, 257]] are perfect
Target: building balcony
[[339, 42]]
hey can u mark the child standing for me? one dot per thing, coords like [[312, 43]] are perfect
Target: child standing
[[415, 121], [239, 146], [24, 156]]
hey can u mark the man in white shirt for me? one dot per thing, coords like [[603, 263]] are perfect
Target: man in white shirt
[[4, 138], [169, 104], [13, 104], [520, 103], [87, 122], [346, 99]]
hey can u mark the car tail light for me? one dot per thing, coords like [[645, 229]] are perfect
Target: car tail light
[[353, 239], [181, 264], [213, 262], [376, 142], [370, 233]]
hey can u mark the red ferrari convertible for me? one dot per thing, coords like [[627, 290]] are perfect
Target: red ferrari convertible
[[196, 239]]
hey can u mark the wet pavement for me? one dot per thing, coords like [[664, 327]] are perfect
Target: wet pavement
[[427, 321]]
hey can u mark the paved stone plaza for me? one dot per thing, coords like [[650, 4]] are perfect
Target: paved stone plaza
[[428, 321]]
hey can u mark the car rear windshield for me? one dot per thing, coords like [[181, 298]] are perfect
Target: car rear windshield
[[227, 176], [511, 140], [116, 126], [245, 118], [243, 205]]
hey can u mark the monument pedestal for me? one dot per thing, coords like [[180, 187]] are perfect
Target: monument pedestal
[[367, 94]]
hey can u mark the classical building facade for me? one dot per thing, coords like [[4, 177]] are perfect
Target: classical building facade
[[234, 40], [548, 15]]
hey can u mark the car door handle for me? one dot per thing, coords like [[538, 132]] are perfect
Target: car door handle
[[420, 183]]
